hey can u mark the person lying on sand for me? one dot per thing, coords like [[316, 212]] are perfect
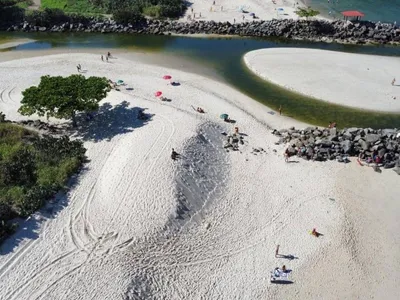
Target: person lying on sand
[[200, 110]]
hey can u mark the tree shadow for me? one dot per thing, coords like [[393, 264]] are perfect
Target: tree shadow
[[110, 121]]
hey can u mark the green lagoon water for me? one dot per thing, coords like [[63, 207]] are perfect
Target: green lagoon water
[[224, 57]]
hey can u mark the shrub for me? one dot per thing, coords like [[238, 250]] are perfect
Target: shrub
[[170, 11], [32, 171], [128, 17], [47, 17], [10, 15], [152, 11], [307, 12], [19, 169], [33, 199]]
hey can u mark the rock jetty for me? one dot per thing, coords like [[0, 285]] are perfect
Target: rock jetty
[[321, 144], [359, 32]]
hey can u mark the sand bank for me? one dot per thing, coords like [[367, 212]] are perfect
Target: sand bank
[[15, 43], [138, 225], [356, 80]]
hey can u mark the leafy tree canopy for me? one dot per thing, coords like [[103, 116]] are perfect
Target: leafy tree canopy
[[307, 12], [4, 3], [64, 97]]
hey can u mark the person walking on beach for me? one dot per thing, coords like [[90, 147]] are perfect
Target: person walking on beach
[[107, 58], [280, 110], [287, 155], [102, 58], [393, 81], [174, 154], [79, 68]]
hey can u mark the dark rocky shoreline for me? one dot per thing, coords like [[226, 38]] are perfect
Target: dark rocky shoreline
[[377, 146], [360, 32]]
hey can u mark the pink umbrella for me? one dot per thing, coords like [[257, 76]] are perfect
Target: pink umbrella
[[158, 94], [167, 77]]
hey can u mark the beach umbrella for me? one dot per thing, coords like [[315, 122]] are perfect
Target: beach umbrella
[[224, 116], [120, 81], [158, 94], [167, 77]]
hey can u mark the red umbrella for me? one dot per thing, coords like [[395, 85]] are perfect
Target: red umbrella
[[158, 94], [167, 77]]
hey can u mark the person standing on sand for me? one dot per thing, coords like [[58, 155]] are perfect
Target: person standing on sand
[[102, 58], [280, 110], [107, 58], [286, 154], [393, 81]]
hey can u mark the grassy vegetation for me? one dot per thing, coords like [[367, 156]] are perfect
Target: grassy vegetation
[[77, 6], [24, 3], [33, 168]]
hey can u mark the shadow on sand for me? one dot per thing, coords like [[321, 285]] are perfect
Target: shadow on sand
[[282, 282], [110, 121]]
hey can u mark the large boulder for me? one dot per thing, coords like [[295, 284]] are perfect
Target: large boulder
[[364, 145], [347, 146], [372, 138]]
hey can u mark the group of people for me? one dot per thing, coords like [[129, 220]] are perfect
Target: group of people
[[107, 56]]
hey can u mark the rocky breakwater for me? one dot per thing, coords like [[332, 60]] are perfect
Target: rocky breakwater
[[380, 147], [359, 32]]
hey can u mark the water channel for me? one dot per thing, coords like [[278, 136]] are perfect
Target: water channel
[[222, 57]]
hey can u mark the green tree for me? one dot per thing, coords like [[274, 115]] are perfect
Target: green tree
[[307, 12], [64, 97]]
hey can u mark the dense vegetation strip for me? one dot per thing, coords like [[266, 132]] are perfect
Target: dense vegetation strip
[[57, 11], [33, 168]]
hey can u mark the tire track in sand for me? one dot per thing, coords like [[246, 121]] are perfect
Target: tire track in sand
[[138, 187], [104, 236]]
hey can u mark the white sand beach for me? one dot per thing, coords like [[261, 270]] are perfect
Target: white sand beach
[[232, 11], [355, 80], [138, 225]]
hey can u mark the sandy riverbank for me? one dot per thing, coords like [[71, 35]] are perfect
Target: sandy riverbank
[[356, 80], [14, 43], [125, 232]]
